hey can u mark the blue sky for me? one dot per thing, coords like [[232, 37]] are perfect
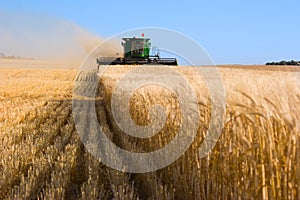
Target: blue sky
[[232, 32]]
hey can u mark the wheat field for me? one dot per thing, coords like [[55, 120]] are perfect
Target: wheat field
[[43, 157]]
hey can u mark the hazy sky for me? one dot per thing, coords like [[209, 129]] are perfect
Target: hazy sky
[[232, 32]]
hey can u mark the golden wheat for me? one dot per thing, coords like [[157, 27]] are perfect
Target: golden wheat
[[42, 157]]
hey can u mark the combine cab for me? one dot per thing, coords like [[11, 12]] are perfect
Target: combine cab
[[137, 52]]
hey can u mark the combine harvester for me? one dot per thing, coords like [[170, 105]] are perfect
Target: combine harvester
[[137, 52]]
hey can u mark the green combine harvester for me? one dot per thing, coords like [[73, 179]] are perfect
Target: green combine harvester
[[137, 52]]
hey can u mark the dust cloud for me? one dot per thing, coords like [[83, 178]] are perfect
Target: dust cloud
[[48, 39]]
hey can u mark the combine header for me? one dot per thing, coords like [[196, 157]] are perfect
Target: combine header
[[137, 52]]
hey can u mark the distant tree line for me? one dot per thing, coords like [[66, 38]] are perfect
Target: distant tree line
[[3, 56], [292, 62]]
